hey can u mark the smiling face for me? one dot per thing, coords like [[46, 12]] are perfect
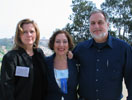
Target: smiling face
[[98, 27], [61, 44], [28, 36]]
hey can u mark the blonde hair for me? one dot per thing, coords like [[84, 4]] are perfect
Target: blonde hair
[[19, 30]]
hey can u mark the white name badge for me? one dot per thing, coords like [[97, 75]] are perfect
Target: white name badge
[[61, 73], [22, 71]]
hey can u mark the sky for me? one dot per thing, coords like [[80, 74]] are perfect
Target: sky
[[48, 14]]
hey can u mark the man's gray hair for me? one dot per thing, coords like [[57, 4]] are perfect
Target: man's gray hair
[[100, 11]]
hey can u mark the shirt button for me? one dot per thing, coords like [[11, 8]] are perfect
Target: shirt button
[[97, 70], [97, 90], [97, 60], [97, 99], [98, 50], [96, 80], [5, 83]]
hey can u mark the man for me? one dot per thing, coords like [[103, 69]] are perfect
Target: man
[[104, 62]]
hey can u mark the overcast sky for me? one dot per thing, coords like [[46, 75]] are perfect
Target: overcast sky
[[48, 14]]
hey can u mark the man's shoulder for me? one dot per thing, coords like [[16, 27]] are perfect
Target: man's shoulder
[[119, 42], [82, 45], [85, 43]]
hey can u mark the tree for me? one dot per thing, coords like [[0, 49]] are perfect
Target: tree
[[120, 18], [120, 13], [79, 28]]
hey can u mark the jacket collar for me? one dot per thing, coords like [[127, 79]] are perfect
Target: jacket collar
[[21, 50], [51, 67]]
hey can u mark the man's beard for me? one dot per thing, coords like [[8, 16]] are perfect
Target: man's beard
[[99, 36]]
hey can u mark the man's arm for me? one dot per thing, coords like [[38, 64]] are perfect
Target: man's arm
[[128, 73]]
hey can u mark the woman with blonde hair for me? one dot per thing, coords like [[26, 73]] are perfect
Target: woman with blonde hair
[[23, 71]]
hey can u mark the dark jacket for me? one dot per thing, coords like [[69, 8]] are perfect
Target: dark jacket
[[18, 87], [54, 92]]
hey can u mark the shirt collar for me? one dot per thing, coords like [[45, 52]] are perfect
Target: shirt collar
[[108, 42]]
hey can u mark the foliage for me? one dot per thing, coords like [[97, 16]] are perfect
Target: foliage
[[5, 45], [120, 18], [120, 15], [7, 42], [79, 28]]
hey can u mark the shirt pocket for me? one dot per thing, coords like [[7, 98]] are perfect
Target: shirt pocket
[[114, 71]]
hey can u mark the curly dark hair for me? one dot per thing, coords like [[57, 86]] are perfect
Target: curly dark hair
[[52, 39]]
